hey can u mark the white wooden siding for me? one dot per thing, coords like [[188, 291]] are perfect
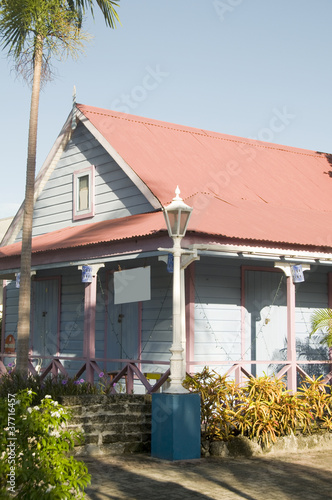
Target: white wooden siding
[[157, 319], [217, 312], [115, 194]]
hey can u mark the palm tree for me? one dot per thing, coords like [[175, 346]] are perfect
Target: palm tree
[[32, 31], [321, 319]]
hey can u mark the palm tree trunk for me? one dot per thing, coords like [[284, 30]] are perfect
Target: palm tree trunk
[[24, 306]]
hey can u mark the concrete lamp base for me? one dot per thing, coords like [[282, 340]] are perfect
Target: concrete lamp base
[[176, 426]]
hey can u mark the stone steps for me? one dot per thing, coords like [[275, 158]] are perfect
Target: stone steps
[[112, 423]]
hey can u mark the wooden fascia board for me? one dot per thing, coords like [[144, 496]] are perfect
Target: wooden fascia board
[[41, 179], [143, 188], [116, 249]]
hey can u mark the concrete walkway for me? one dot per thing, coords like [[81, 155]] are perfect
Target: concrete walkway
[[300, 476]]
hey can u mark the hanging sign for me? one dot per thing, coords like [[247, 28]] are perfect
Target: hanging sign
[[170, 262], [132, 285], [297, 274], [86, 274], [18, 280]]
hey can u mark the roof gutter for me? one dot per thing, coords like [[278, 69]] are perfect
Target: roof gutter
[[262, 253]]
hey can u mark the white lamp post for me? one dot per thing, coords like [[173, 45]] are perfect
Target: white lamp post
[[177, 216]]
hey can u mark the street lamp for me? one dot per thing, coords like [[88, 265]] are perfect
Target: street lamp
[[175, 413], [177, 216]]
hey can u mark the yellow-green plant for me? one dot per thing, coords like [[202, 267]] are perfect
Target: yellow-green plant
[[314, 392], [263, 409], [218, 399]]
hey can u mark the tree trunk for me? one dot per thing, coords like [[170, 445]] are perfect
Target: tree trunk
[[24, 306]]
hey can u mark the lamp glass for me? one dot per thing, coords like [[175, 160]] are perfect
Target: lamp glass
[[177, 221]]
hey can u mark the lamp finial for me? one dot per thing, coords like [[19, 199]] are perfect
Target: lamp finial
[[177, 193]]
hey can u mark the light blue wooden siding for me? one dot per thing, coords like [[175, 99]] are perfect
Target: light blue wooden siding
[[310, 295], [217, 311], [157, 319], [10, 314], [45, 308], [116, 325], [11, 311], [265, 318], [71, 315], [115, 194], [72, 318]]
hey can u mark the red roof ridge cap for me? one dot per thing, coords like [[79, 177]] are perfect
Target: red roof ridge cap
[[210, 134]]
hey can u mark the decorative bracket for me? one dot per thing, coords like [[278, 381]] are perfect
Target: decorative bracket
[[187, 256]]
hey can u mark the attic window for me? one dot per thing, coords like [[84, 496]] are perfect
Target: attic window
[[83, 193]]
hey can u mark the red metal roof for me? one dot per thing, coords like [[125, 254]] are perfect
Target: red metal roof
[[240, 189], [88, 234]]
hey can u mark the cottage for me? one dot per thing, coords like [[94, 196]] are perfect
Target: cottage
[[261, 212]]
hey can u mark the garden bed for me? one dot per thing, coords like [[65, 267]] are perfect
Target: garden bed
[[245, 447]]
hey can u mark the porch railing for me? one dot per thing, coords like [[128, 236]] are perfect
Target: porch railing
[[131, 370]]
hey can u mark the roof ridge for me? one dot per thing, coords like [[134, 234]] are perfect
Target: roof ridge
[[207, 133]]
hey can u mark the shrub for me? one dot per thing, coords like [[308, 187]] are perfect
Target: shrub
[[13, 382], [35, 450], [263, 409]]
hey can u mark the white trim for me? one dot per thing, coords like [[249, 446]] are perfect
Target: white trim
[[264, 253], [90, 211]]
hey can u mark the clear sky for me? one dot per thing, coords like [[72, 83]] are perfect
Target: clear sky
[[250, 68]]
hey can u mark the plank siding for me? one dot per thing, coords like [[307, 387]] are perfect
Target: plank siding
[[157, 319], [312, 294], [115, 194], [11, 312], [217, 312]]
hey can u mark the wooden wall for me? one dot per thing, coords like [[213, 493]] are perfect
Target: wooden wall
[[217, 312], [115, 194]]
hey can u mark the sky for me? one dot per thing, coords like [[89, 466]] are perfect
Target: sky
[[250, 68]]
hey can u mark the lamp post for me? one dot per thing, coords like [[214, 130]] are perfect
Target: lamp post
[[177, 216], [176, 426]]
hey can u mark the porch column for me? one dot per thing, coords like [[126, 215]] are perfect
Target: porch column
[[89, 340], [291, 334]]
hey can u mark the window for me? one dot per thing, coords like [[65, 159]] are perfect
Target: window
[[83, 193]]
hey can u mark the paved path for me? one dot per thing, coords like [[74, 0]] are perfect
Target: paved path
[[302, 476]]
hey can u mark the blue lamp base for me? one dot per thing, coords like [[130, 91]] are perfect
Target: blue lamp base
[[176, 426]]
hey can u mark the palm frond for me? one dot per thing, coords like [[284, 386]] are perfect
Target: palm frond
[[107, 7], [321, 319]]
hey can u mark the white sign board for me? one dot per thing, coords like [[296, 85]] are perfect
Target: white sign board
[[132, 285]]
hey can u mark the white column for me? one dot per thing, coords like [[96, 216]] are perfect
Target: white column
[[176, 362]]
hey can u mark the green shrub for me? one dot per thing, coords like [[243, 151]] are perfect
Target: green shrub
[[263, 409], [13, 382], [35, 450]]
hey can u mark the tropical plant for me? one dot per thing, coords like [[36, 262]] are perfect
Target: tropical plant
[[32, 31], [262, 409], [321, 320], [218, 399], [35, 450]]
